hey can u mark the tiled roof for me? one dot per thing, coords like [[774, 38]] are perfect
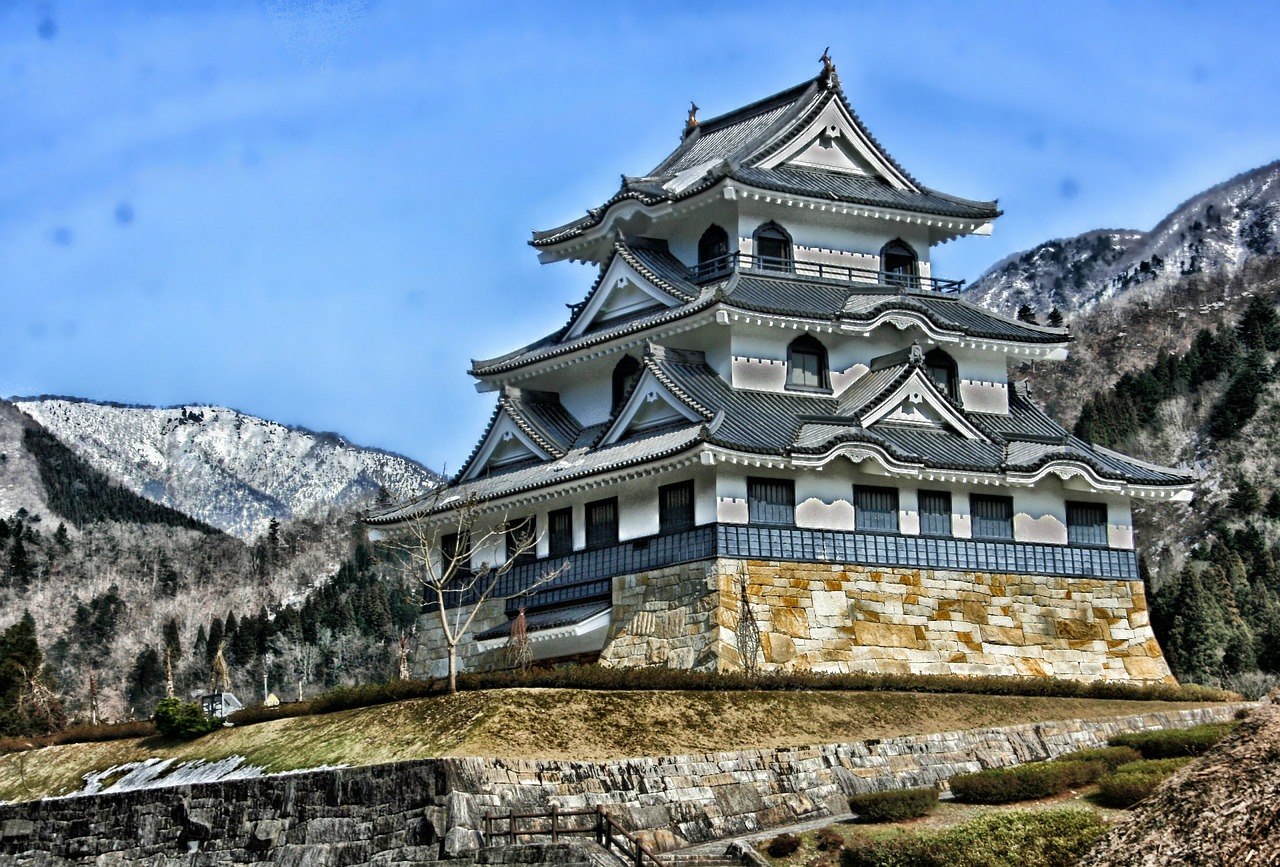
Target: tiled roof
[[732, 145], [794, 424], [862, 190], [551, 619], [579, 463], [784, 294]]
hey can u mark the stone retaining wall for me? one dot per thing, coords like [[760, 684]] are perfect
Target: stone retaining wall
[[411, 812]]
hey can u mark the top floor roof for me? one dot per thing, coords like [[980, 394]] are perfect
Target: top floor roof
[[805, 141]]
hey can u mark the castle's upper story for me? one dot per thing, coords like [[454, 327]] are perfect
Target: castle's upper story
[[781, 219]]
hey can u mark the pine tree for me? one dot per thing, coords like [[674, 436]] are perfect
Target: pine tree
[[173, 638], [216, 637], [1026, 314], [1244, 499], [1259, 327], [1055, 318], [1273, 506]]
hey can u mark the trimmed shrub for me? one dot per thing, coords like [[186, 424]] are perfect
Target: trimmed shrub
[[783, 845], [894, 806], [1174, 743], [1028, 782], [1046, 838], [177, 720], [830, 840], [1112, 757], [81, 734], [1134, 782]]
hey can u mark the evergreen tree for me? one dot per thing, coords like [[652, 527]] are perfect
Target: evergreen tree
[[1026, 314], [1240, 401], [1259, 327], [1197, 633], [1244, 499], [1272, 510], [61, 538], [146, 679], [216, 637], [25, 710], [173, 639], [1055, 318], [21, 569]]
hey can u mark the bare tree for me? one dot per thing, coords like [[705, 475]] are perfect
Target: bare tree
[[439, 543], [748, 631], [519, 651]]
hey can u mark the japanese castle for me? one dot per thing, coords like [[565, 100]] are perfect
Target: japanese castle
[[769, 437]]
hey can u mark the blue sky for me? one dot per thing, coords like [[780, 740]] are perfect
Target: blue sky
[[317, 212]]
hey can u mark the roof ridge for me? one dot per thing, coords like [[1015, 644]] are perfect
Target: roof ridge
[[510, 401], [759, 106]]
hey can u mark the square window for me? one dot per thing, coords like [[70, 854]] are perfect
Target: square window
[[771, 501], [602, 523], [992, 516], [560, 533], [1087, 524], [875, 509], [935, 513], [675, 507]]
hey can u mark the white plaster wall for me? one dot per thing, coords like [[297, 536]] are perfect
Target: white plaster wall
[[830, 232], [824, 500], [1040, 515], [978, 396], [908, 511], [1120, 525], [638, 509], [731, 496]]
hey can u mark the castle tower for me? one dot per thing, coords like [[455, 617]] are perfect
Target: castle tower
[[768, 415]]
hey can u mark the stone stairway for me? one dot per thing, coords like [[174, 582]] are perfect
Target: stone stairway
[[675, 859]]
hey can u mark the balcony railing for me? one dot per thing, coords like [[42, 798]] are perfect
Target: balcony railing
[[589, 575], [723, 266]]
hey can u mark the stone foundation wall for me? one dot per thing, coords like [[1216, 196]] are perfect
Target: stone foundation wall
[[840, 618], [431, 654], [421, 811], [837, 617], [667, 617]]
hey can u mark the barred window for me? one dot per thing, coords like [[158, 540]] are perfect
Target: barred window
[[560, 533], [992, 516], [935, 513], [771, 501], [452, 547], [602, 523], [675, 507], [1087, 524], [876, 509]]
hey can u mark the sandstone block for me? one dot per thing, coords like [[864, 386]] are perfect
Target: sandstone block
[[885, 634]]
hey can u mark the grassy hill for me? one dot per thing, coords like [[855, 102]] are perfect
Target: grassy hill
[[560, 724]]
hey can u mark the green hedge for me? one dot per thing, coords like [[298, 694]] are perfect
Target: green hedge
[[1175, 743], [1112, 757], [1046, 838], [1027, 782], [1135, 781], [594, 677], [894, 806]]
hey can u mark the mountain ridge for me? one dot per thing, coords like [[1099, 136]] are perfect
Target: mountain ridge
[[230, 469], [1214, 231]]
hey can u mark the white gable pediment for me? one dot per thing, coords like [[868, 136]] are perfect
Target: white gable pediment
[[833, 142], [650, 406], [622, 292], [917, 402], [505, 445]]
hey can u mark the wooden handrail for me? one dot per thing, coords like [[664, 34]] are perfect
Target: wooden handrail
[[607, 831], [724, 265]]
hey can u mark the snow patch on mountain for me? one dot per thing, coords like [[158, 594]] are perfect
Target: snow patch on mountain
[[231, 470], [1214, 232]]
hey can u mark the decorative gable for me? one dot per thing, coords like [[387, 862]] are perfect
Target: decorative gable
[[834, 141], [505, 445], [622, 292], [917, 402], [651, 406]]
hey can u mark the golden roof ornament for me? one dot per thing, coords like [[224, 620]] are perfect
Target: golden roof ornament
[[691, 123]]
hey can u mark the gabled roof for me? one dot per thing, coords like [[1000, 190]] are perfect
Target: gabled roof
[[780, 293], [538, 416], [801, 427], [743, 145]]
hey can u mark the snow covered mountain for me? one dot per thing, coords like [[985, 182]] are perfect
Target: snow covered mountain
[[231, 470], [1213, 232]]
